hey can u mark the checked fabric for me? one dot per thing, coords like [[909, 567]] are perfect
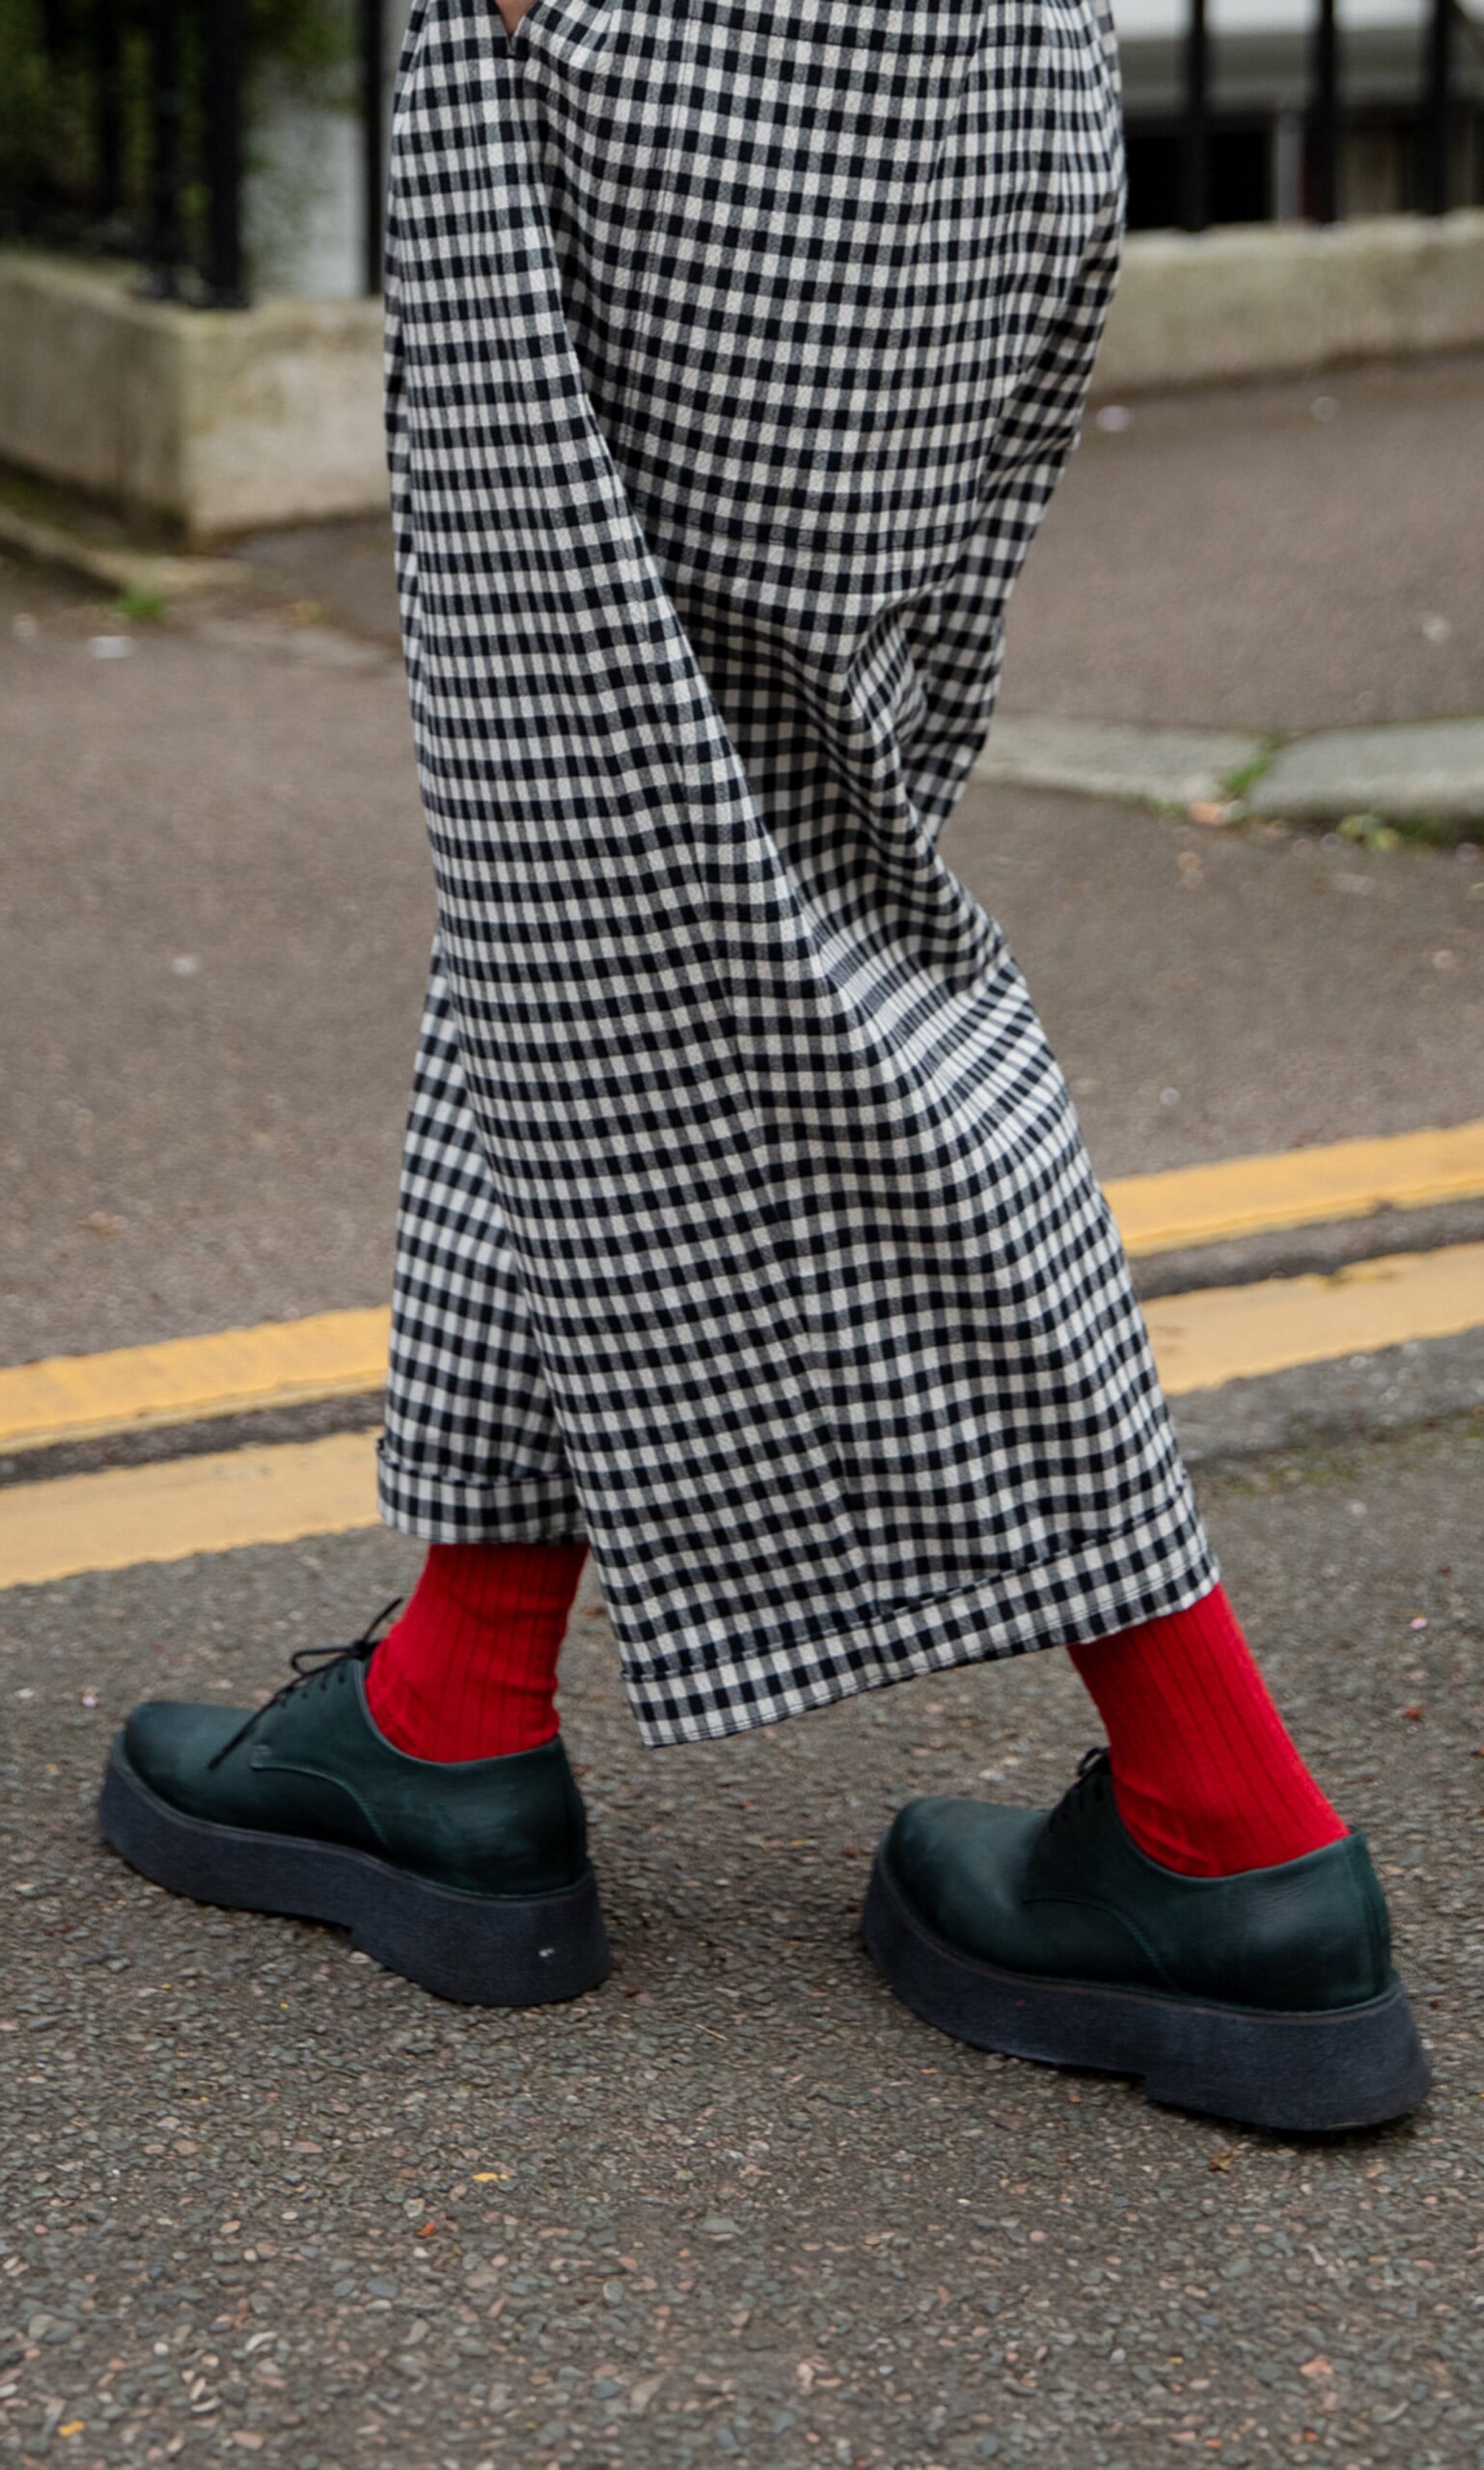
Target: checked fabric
[[732, 353]]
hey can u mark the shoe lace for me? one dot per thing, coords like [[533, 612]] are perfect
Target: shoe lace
[[311, 1664], [1094, 1779]]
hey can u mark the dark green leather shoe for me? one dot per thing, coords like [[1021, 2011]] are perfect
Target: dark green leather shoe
[[470, 1879], [1268, 1997]]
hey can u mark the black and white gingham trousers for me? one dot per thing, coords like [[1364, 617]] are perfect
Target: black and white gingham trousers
[[734, 351]]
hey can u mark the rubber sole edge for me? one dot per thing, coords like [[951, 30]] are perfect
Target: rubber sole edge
[[478, 1951], [1310, 2074]]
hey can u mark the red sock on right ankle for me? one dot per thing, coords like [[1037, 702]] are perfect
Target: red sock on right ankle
[[1204, 1774], [470, 1670]]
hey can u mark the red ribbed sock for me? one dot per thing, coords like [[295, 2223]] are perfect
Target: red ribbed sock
[[1204, 1774], [470, 1670]]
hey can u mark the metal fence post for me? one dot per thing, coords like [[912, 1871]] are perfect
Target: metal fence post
[[166, 247], [1324, 116], [372, 138], [107, 108], [1196, 123], [1437, 110], [222, 101]]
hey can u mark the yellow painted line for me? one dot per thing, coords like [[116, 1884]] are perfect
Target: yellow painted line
[[298, 1488], [280, 1364], [1297, 1188], [1236, 1333], [166, 1513], [283, 1363]]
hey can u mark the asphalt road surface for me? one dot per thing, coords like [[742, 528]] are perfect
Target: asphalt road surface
[[737, 2205]]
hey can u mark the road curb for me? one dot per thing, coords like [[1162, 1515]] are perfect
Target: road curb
[[1423, 777], [118, 571]]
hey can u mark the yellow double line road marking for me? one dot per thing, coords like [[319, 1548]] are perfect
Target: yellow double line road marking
[[232, 1372], [278, 1495], [1297, 1188], [337, 1355], [1224, 1334], [166, 1513], [296, 1489]]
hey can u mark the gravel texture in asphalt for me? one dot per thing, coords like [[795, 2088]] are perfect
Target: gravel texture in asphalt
[[737, 2206]]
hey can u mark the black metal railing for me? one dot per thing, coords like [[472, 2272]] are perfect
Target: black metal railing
[[137, 146], [1325, 115], [138, 141]]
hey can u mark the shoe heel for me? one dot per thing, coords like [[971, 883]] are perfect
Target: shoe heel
[[1304, 2074], [486, 1951], [1312, 2073]]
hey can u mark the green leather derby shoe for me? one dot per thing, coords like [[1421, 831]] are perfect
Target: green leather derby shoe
[[1267, 1996], [471, 1879]]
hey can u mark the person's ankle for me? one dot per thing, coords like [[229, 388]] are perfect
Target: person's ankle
[[470, 1670], [406, 1720], [1221, 1840], [1205, 1776]]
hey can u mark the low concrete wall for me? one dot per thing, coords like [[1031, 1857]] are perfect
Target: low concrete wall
[[1269, 300], [222, 420], [216, 420]]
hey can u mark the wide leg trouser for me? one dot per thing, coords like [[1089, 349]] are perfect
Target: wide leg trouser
[[733, 353]]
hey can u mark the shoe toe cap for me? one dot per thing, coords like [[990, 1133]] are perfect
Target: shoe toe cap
[[958, 1862], [170, 1744]]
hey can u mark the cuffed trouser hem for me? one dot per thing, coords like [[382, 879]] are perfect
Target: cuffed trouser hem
[[440, 1509], [1083, 1596]]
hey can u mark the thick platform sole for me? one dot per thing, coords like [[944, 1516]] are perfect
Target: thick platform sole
[[1296, 2073], [485, 1951]]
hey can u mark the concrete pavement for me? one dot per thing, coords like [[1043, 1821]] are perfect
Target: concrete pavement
[[1285, 557], [1427, 777]]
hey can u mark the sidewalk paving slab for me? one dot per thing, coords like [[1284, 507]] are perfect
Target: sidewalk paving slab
[[1286, 556], [1421, 773], [1114, 758], [1410, 772]]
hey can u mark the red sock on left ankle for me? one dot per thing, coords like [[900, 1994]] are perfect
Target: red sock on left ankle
[[1204, 1774], [470, 1670]]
